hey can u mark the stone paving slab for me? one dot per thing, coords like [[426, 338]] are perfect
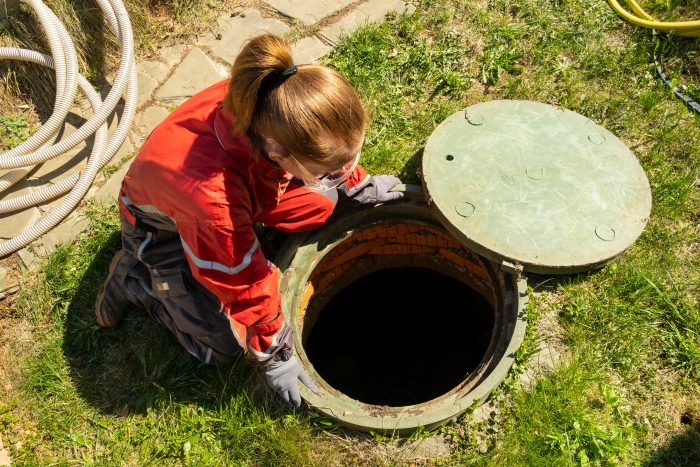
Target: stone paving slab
[[53, 168], [146, 86], [127, 149], [150, 74], [75, 224], [308, 11], [309, 50], [195, 73], [5, 459], [9, 282], [172, 54], [110, 190], [374, 11], [147, 120], [235, 31], [14, 223], [61, 166], [155, 70]]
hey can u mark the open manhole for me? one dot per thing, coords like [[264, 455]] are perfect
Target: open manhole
[[408, 363], [397, 321], [406, 330], [408, 313]]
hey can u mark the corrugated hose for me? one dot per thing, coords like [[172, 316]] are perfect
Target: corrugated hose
[[18, 162]]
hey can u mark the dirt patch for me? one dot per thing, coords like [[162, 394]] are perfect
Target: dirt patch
[[365, 449], [615, 40], [10, 280], [672, 414], [17, 342], [551, 351]]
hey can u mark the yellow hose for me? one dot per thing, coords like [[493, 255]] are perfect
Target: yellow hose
[[643, 19]]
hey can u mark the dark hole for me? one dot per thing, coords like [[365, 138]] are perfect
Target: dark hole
[[450, 157], [686, 418], [400, 336]]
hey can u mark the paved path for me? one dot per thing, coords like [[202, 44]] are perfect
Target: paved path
[[179, 72]]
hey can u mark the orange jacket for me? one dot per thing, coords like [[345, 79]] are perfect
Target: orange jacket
[[214, 186]]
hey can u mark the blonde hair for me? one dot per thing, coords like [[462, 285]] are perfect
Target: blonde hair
[[315, 113]]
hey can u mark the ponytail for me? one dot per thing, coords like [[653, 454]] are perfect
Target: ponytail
[[311, 110], [261, 58]]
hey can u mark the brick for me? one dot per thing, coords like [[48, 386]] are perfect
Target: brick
[[308, 11], [452, 243], [235, 31], [372, 11]]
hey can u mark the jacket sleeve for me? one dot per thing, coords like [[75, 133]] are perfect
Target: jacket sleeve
[[229, 262], [355, 183]]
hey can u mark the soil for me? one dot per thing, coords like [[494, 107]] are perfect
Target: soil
[[400, 336]]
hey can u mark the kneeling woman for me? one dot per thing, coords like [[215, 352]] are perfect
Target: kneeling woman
[[276, 144]]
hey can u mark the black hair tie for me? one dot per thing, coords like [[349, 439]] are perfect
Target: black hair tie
[[289, 71]]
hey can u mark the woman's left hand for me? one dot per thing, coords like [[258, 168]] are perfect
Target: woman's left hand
[[378, 190]]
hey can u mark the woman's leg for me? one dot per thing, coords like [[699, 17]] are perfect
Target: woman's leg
[[154, 274]]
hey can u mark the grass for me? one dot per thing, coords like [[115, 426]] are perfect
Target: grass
[[628, 392]]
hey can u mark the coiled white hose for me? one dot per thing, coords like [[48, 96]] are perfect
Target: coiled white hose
[[38, 149]]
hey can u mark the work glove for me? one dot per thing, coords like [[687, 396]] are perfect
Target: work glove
[[377, 190], [282, 376]]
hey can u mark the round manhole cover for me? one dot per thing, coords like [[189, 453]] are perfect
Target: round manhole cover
[[545, 187]]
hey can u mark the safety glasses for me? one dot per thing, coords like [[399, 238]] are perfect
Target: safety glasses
[[326, 181]]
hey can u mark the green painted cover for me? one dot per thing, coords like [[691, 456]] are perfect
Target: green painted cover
[[535, 185]]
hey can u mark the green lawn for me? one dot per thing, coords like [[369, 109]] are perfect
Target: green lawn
[[628, 391]]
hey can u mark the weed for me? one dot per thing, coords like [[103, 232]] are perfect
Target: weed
[[13, 130]]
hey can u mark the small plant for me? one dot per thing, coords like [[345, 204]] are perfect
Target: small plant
[[586, 441], [13, 131]]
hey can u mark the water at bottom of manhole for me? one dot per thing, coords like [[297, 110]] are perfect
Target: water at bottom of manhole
[[400, 336]]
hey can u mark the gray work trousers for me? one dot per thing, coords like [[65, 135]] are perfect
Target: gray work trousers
[[156, 276]]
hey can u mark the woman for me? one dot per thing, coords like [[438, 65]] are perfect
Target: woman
[[276, 144]]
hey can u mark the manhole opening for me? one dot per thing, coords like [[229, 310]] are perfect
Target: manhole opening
[[400, 336], [398, 315]]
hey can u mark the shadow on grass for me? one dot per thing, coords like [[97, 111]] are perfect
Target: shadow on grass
[[138, 364], [552, 283], [411, 171], [682, 449]]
